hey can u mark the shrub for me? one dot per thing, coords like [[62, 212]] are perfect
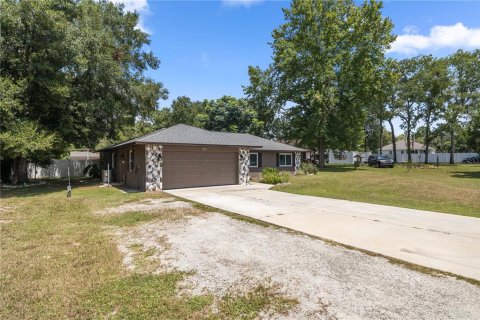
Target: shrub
[[308, 168], [273, 176], [92, 170]]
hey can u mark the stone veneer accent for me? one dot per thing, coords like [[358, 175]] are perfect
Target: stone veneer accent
[[298, 161], [153, 164], [243, 166]]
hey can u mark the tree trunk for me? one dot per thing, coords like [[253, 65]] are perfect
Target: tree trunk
[[321, 152], [427, 141], [20, 173], [452, 147], [394, 143], [381, 137], [409, 149]]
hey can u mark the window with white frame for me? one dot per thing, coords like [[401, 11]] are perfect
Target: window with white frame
[[254, 160], [131, 160], [285, 159]]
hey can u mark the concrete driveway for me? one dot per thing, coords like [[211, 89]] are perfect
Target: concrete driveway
[[436, 240]]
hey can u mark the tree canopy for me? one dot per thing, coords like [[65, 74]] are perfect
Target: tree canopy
[[324, 60], [72, 74]]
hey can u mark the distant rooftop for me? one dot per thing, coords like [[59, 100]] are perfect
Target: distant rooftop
[[84, 155], [189, 135], [402, 145]]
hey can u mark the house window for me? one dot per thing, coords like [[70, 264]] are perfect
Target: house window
[[254, 160], [390, 152], [114, 159], [402, 152], [131, 160], [285, 160]]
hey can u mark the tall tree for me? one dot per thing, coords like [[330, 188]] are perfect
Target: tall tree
[[325, 55], [409, 93], [434, 82], [230, 114], [80, 68], [390, 90], [383, 104], [464, 73], [473, 131], [186, 111], [263, 97]]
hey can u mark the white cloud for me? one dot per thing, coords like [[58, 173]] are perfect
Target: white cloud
[[141, 6], [411, 29], [455, 36], [131, 5], [238, 3]]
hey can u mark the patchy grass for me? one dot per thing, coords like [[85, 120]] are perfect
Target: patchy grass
[[451, 189], [145, 297], [57, 260], [248, 306], [129, 219]]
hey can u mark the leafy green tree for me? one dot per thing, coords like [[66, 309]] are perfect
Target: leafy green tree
[[434, 84], [325, 57], [262, 96], [186, 111], [390, 77], [473, 131], [80, 67], [230, 114], [383, 106], [375, 136], [409, 95], [464, 74]]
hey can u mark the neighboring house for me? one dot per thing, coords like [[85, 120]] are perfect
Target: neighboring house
[[401, 146], [183, 156], [85, 154]]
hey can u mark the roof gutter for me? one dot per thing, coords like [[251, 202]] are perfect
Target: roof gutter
[[174, 144]]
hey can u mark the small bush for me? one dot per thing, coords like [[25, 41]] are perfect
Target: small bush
[[92, 170], [308, 168], [273, 176]]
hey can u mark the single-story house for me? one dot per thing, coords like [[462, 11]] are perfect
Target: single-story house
[[401, 146], [83, 154], [183, 156]]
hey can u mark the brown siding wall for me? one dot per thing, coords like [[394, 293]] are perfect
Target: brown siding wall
[[135, 178], [269, 159]]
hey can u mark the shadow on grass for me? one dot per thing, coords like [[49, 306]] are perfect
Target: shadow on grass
[[466, 174], [339, 168], [51, 186]]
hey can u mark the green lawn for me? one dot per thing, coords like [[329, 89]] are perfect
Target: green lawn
[[449, 188], [58, 261]]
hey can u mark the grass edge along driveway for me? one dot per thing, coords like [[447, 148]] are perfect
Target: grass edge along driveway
[[58, 261], [453, 189]]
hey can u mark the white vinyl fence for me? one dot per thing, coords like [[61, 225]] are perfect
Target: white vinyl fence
[[348, 157], [59, 169], [432, 158]]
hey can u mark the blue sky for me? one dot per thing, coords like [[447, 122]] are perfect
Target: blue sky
[[205, 47]]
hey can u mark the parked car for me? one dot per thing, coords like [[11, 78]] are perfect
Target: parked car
[[380, 161], [471, 159], [372, 160]]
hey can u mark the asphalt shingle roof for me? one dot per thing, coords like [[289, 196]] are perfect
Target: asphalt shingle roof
[[402, 145], [185, 134]]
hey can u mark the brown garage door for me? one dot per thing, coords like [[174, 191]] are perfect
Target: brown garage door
[[184, 169]]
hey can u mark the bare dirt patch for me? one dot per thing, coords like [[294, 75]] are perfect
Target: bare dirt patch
[[329, 282], [147, 205]]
